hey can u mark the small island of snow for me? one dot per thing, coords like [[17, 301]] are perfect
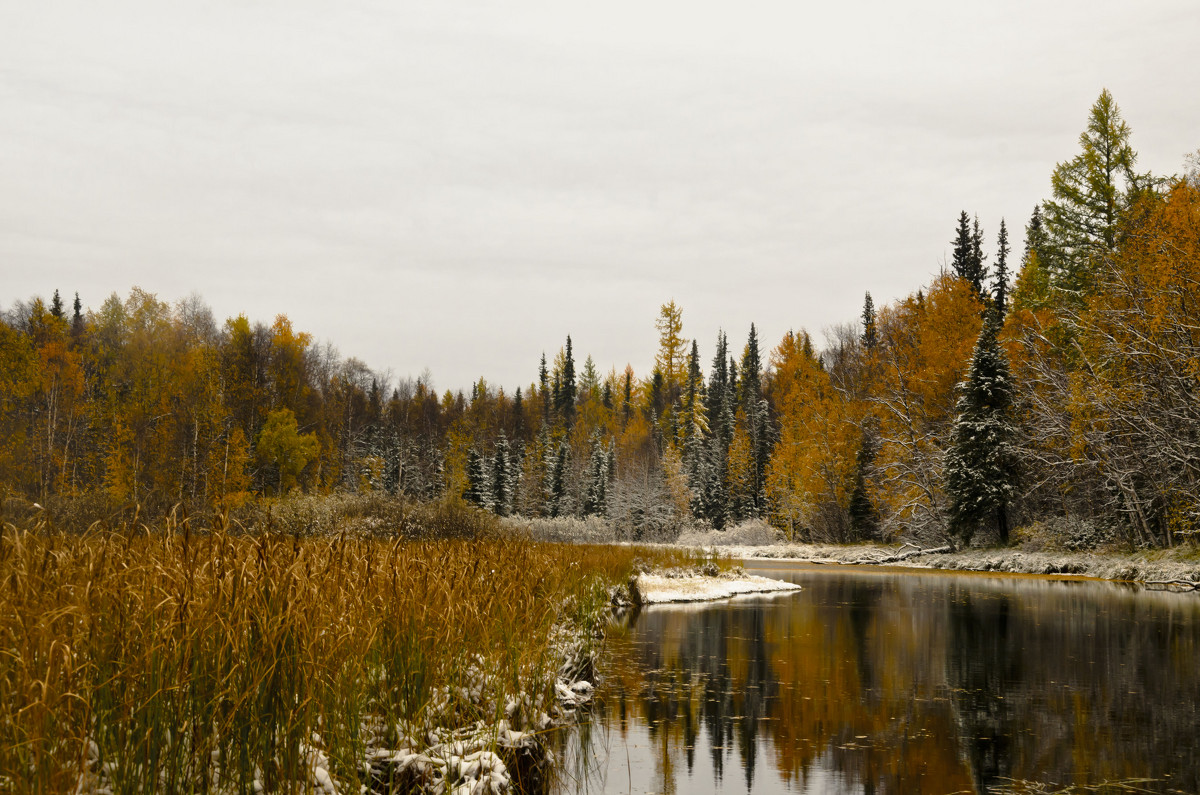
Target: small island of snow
[[694, 587]]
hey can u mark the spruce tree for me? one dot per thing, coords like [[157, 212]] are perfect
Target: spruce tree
[[556, 478], [864, 519], [1000, 290], [501, 478], [870, 335], [757, 425], [567, 391], [518, 415], [627, 397], [56, 306], [544, 386], [595, 498], [981, 465], [978, 259], [712, 499], [77, 317], [478, 490], [960, 259], [967, 261]]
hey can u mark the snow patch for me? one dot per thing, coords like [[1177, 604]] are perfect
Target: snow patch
[[658, 589]]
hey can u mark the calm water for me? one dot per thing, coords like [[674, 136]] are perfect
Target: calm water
[[880, 681]]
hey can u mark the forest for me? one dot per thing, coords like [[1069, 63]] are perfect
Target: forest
[[1051, 385]]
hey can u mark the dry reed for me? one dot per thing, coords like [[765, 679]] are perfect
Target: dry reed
[[197, 661]]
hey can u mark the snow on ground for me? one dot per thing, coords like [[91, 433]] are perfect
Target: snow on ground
[[1161, 565], [660, 589]]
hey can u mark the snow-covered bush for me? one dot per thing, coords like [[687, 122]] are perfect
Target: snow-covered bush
[[749, 533]]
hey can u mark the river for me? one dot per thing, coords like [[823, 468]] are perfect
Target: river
[[878, 680]]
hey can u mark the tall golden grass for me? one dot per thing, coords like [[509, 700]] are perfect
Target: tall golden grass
[[166, 656]]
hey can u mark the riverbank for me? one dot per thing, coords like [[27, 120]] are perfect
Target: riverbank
[[1167, 568]]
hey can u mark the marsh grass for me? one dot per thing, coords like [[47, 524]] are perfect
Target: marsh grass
[[174, 659]]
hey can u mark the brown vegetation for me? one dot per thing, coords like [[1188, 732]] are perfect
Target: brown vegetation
[[163, 659]]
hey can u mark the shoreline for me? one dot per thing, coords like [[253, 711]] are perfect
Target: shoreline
[[1177, 568]]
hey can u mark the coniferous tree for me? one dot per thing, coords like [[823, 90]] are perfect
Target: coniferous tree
[[600, 471], [981, 465], [960, 259], [516, 470], [755, 408], [870, 335], [712, 499], [627, 397], [864, 518], [518, 415], [567, 391], [1032, 288], [557, 459], [501, 478], [56, 306], [1092, 192], [544, 386], [1000, 290], [77, 317], [478, 490], [968, 260], [978, 259]]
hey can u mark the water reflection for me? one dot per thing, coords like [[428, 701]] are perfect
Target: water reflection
[[882, 682]]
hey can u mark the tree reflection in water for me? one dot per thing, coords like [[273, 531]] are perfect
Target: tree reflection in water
[[885, 682]]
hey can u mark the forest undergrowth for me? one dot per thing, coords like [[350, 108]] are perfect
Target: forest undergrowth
[[145, 656]]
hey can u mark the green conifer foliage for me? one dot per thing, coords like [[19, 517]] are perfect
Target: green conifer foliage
[[967, 261], [870, 334], [478, 492], [1093, 191], [557, 460], [981, 465], [757, 425], [501, 484], [864, 518], [1000, 290], [599, 474], [544, 387], [566, 389]]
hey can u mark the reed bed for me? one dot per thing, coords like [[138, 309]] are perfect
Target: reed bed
[[134, 660]]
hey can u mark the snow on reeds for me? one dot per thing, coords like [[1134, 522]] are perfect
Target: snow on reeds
[[134, 660]]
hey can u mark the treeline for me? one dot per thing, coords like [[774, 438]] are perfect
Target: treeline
[[976, 404]]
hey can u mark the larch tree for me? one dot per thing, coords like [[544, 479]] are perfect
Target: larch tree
[[283, 447], [1091, 193], [672, 349], [981, 464]]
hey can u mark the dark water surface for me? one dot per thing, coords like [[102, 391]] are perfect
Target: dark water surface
[[882, 681]]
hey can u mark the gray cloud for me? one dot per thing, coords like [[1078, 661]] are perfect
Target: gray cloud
[[460, 185]]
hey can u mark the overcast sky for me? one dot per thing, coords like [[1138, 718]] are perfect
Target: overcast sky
[[460, 185]]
